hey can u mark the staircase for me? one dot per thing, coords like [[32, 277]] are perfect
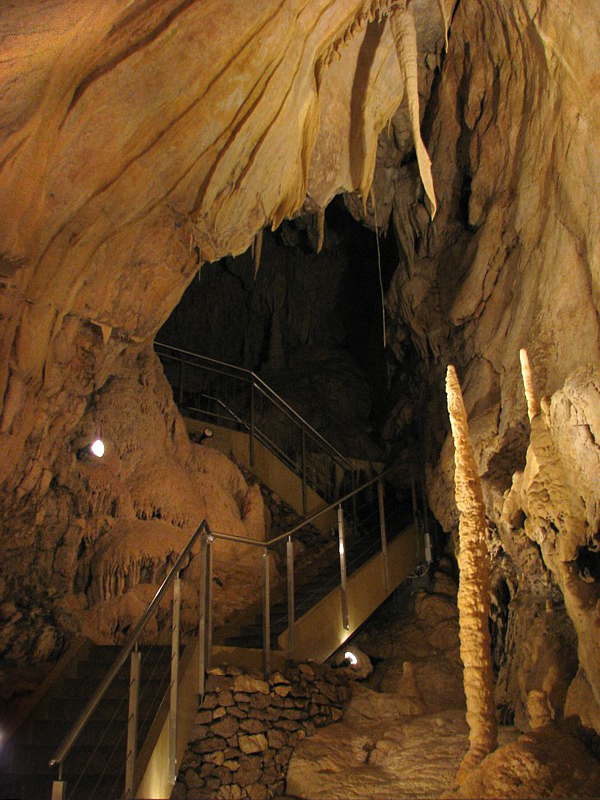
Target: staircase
[[370, 551], [95, 766], [314, 583]]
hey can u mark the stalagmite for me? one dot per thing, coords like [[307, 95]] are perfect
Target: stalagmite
[[404, 32], [533, 406], [473, 592]]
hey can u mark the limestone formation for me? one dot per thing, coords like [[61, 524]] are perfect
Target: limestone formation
[[140, 141], [559, 497], [473, 590], [533, 407], [115, 525], [405, 39]]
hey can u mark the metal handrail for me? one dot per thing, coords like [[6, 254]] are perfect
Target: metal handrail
[[306, 521], [69, 740], [269, 393], [329, 507]]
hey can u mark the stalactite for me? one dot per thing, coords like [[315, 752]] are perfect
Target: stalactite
[[257, 250], [445, 19], [533, 407], [321, 227], [404, 32], [473, 593]]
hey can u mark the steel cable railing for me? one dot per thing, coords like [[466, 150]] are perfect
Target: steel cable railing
[[235, 397], [353, 551], [131, 650]]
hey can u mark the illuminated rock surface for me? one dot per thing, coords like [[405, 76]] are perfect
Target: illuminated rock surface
[[138, 141]]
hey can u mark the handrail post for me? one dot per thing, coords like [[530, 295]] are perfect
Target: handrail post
[[266, 615], [424, 501], [382, 529], [202, 615], [303, 471], [290, 597], [174, 694], [180, 392], [132, 723], [59, 787], [342, 549], [252, 421], [354, 511], [209, 601]]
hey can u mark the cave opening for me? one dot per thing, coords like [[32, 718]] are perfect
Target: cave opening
[[311, 325]]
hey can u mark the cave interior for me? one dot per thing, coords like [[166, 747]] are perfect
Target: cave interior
[[382, 217]]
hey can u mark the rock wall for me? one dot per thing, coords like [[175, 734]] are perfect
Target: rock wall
[[512, 260], [88, 553], [246, 729]]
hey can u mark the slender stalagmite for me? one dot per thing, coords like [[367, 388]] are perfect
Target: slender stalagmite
[[473, 590]]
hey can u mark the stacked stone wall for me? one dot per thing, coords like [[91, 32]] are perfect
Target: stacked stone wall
[[246, 729]]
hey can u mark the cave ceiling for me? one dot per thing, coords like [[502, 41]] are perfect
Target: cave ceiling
[[139, 139]]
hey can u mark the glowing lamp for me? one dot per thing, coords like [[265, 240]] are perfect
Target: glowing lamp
[[349, 656], [97, 448]]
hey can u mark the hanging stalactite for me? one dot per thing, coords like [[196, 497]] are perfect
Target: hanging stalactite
[[533, 406], [257, 250], [404, 32], [321, 229]]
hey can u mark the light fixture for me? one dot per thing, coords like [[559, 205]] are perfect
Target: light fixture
[[349, 656], [97, 448], [207, 433]]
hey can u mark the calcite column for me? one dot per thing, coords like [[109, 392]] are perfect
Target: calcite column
[[473, 591]]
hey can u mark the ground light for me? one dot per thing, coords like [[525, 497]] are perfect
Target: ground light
[[349, 655]]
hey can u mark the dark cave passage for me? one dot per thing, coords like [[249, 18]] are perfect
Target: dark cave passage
[[309, 324]]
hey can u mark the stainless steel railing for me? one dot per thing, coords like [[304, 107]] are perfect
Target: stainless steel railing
[[342, 538], [131, 647], [233, 396]]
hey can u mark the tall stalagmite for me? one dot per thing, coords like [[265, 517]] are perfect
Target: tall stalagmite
[[473, 591]]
